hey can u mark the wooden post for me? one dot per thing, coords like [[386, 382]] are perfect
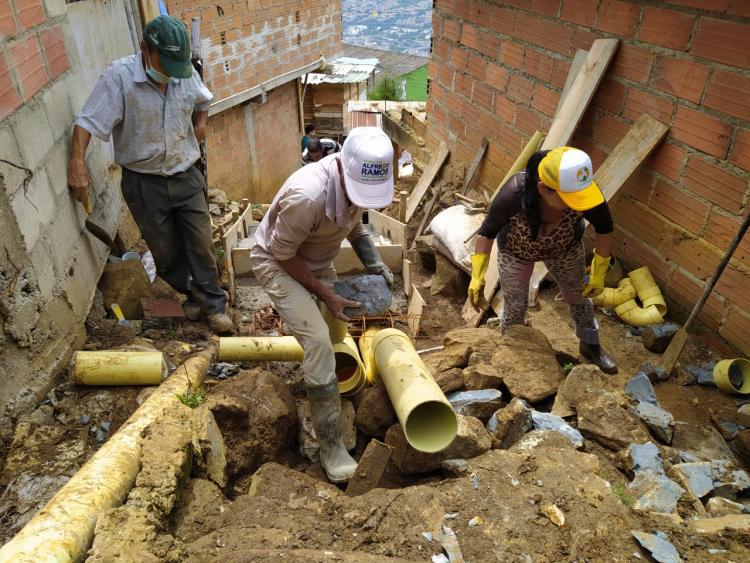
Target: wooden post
[[402, 197], [370, 468], [395, 161]]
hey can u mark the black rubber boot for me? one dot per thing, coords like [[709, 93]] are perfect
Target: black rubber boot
[[598, 357]]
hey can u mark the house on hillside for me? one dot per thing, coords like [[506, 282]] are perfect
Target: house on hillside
[[409, 71]]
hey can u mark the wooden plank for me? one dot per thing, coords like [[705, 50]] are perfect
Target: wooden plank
[[474, 166], [399, 135], [581, 92], [427, 212], [624, 159], [389, 227], [370, 468], [406, 275], [575, 68], [425, 181], [414, 311], [347, 263]]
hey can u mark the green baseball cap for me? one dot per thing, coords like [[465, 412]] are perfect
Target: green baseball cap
[[169, 37]]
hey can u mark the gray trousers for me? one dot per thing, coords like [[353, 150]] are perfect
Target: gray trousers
[[568, 271], [172, 213]]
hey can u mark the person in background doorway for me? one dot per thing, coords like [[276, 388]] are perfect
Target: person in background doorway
[[318, 148], [314, 211], [154, 106], [538, 216], [309, 134]]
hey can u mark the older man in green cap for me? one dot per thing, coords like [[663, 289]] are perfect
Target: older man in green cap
[[154, 106]]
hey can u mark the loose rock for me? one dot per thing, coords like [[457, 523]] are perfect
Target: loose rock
[[656, 492], [375, 413], [481, 376], [703, 441], [640, 388], [697, 476], [656, 338], [611, 425], [586, 384], [696, 375], [125, 283], [479, 404], [506, 426], [643, 457], [527, 364], [742, 446], [659, 420], [547, 421], [719, 506], [654, 373], [710, 526], [448, 280], [659, 548], [209, 453], [544, 440]]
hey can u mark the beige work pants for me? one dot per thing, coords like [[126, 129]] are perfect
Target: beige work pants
[[308, 319]]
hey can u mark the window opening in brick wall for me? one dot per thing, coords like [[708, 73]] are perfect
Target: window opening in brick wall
[[226, 66], [428, 86], [296, 16], [223, 36], [220, 10], [299, 39]]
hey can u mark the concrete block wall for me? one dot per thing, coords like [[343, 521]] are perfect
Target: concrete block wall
[[49, 265], [245, 44], [498, 69]]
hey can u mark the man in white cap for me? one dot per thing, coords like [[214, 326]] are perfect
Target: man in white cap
[[314, 211]]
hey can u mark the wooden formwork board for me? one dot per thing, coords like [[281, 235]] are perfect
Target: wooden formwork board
[[347, 263], [414, 311], [389, 227], [230, 240], [426, 179]]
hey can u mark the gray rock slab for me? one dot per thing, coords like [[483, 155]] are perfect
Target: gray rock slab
[[697, 476], [659, 548], [659, 420], [655, 492], [656, 338], [479, 404], [547, 421], [645, 457], [371, 291], [640, 388]]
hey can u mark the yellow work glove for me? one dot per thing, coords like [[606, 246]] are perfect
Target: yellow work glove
[[594, 284], [479, 263]]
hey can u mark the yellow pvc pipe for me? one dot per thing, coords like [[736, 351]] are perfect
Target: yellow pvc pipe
[[260, 348], [611, 297], [634, 315], [63, 530], [647, 290], [350, 372], [727, 370], [114, 367], [368, 355], [427, 418]]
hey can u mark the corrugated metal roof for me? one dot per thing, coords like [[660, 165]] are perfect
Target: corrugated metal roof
[[395, 64], [344, 70]]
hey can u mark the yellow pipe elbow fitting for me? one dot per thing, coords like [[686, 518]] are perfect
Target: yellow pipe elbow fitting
[[634, 315], [611, 297], [647, 290]]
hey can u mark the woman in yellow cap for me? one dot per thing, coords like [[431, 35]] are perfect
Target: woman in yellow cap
[[538, 216]]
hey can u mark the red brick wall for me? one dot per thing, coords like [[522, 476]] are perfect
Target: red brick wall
[[498, 69], [32, 52], [277, 140], [229, 156], [261, 39]]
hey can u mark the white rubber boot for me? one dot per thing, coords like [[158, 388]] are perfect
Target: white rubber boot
[[325, 407]]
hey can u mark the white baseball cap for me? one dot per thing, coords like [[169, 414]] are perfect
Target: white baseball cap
[[569, 172], [367, 159]]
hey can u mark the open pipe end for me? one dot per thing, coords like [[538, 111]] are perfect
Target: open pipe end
[[431, 427]]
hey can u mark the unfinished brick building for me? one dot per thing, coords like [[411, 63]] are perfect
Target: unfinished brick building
[[498, 69], [254, 54]]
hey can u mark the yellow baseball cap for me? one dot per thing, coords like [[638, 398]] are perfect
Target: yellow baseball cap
[[568, 171]]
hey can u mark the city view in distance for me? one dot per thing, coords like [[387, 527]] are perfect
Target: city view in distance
[[403, 26]]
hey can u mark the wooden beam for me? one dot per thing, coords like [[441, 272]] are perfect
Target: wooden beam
[[474, 166], [399, 135], [229, 240], [425, 181], [395, 161], [575, 68], [370, 468], [427, 212], [389, 227], [406, 275], [403, 196], [414, 311]]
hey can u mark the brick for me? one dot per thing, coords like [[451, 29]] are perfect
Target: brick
[[502, 20], [30, 13], [8, 25], [505, 108], [640, 254], [667, 28], [582, 12], [610, 95], [510, 140], [470, 36], [723, 41], [527, 27], [632, 63], [729, 93], [583, 39], [740, 152], [519, 89], [639, 185], [668, 160], [694, 254], [735, 329], [686, 289], [720, 231], [546, 7], [560, 72], [681, 78], [451, 30], [489, 44], [512, 54], [733, 285], [445, 76], [544, 99], [441, 50], [715, 184], [29, 66], [463, 83], [459, 58], [476, 66], [497, 77], [538, 65], [482, 96], [609, 131], [527, 120], [10, 99], [679, 206], [556, 37], [619, 17], [54, 51], [712, 5], [702, 132], [739, 8], [638, 102], [641, 221]]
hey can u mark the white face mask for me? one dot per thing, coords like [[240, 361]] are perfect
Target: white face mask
[[153, 74]]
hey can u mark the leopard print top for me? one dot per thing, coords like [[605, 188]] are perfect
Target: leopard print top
[[520, 243]]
